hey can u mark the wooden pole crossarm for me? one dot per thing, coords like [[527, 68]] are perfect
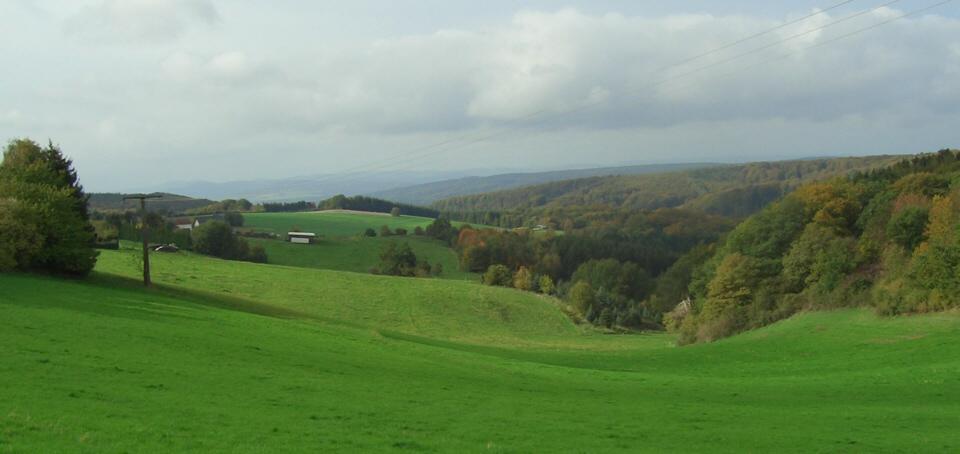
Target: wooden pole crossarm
[[145, 231]]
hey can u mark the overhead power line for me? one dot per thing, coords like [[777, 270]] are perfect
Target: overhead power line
[[784, 40], [756, 35], [467, 140]]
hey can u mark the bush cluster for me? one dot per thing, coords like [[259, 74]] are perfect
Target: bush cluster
[[217, 239], [398, 259]]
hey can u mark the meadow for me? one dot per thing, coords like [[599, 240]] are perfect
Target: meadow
[[341, 244], [332, 224], [240, 357], [359, 254]]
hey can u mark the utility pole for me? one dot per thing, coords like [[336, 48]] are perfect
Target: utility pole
[[144, 231]]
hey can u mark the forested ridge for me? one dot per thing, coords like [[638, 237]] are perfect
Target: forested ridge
[[887, 238], [427, 193], [735, 190], [167, 203]]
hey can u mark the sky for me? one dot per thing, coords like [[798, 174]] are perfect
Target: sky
[[142, 92]]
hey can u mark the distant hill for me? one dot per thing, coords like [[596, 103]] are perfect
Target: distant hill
[[169, 202], [309, 188], [427, 193], [729, 190]]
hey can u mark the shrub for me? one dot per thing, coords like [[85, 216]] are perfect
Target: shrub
[[547, 286], [442, 230], [523, 279], [437, 270], [498, 275], [217, 239], [400, 231], [418, 231], [369, 232], [385, 231], [258, 254], [397, 260], [423, 268], [395, 211]]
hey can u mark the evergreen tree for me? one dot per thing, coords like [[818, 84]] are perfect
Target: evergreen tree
[[41, 185]]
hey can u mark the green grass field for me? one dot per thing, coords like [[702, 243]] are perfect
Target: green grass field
[[359, 254], [331, 224], [341, 245], [230, 356]]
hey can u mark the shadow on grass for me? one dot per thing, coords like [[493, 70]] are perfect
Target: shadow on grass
[[215, 300], [200, 297]]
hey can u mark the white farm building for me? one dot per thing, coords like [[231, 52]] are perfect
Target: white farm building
[[301, 237]]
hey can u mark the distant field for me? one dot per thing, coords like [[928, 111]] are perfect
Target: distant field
[[341, 245], [250, 365], [359, 254], [336, 224]]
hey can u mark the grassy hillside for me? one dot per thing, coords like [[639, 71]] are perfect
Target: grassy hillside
[[748, 185], [428, 307], [359, 254], [104, 366], [425, 194]]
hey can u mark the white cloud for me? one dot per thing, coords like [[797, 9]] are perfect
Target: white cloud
[[125, 21]]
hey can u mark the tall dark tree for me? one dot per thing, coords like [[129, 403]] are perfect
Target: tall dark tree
[[42, 183]]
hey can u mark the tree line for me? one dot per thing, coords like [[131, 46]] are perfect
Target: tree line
[[374, 205]]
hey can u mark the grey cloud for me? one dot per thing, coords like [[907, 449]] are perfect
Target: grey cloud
[[562, 61], [278, 102]]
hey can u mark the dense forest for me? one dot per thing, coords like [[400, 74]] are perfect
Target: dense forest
[[617, 267], [735, 191], [887, 238]]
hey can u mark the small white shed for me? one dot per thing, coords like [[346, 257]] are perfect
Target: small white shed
[[301, 237]]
